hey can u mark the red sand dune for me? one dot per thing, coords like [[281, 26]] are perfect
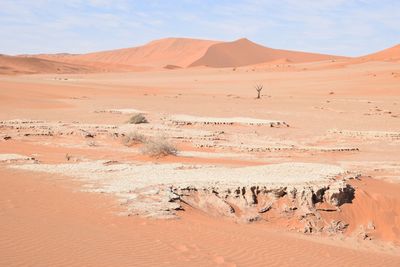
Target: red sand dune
[[389, 54], [171, 51], [244, 52], [184, 52], [31, 65], [96, 65], [172, 67]]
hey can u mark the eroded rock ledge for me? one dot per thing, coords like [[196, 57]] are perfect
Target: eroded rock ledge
[[189, 120], [288, 190], [247, 204]]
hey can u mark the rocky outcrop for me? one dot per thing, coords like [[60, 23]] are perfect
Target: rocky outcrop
[[339, 193], [298, 191], [16, 158], [367, 134], [190, 120], [248, 142], [246, 204], [335, 227]]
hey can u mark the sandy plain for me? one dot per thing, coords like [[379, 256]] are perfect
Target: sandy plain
[[339, 122]]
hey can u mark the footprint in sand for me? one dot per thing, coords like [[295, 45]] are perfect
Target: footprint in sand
[[185, 252], [182, 248], [219, 260]]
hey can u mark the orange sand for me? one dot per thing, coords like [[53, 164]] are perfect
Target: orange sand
[[78, 229], [45, 221]]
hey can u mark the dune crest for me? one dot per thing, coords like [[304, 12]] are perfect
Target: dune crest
[[389, 54], [32, 65], [244, 52], [177, 53], [170, 51]]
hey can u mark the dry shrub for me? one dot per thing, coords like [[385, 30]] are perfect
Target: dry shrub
[[159, 147], [133, 138], [258, 88], [137, 119]]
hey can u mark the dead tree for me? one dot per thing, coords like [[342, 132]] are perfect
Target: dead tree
[[258, 87]]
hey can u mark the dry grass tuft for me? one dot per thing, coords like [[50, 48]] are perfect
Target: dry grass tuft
[[159, 147], [133, 138], [137, 119]]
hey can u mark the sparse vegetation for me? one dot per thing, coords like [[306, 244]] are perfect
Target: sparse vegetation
[[137, 119], [153, 147], [159, 147], [258, 88], [133, 138]]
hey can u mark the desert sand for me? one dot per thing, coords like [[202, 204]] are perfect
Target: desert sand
[[31, 65], [389, 54], [309, 174], [178, 52]]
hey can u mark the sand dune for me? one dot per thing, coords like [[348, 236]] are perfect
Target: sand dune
[[175, 53], [31, 65], [244, 52], [97, 66], [172, 53], [389, 54], [179, 52]]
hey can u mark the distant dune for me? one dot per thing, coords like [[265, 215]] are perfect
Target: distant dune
[[32, 65], [389, 54], [184, 52], [176, 53], [171, 51], [244, 52]]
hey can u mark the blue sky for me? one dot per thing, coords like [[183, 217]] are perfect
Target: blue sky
[[345, 27]]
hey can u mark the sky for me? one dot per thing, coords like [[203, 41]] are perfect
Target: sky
[[341, 27]]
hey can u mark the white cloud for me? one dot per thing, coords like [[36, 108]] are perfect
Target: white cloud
[[332, 26]]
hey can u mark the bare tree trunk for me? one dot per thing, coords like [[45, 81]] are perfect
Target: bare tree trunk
[[258, 89]]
